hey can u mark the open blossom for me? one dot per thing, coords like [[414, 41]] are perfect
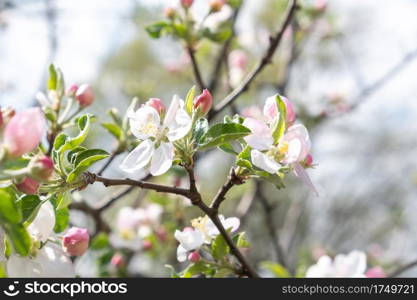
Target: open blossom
[[350, 265], [50, 260], [24, 132], [203, 232], [291, 150], [216, 19], [156, 150], [76, 241]]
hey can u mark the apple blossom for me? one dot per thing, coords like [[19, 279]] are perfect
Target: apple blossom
[[24, 131], [76, 241], [217, 18], [42, 226], [350, 265], [209, 231], [271, 110], [204, 102], [155, 152], [189, 240], [157, 104], [85, 95], [147, 245], [28, 186]]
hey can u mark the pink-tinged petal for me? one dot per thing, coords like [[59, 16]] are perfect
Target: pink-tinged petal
[[145, 122], [24, 132], [177, 120], [261, 137], [139, 158], [76, 241], [302, 174], [172, 110], [270, 109], [162, 159], [157, 104], [264, 162], [291, 115], [299, 144], [376, 272]]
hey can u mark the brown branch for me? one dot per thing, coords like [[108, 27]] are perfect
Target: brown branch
[[196, 68], [266, 60], [402, 269], [221, 195], [101, 225]]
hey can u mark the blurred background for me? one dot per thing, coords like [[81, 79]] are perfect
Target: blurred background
[[349, 66]]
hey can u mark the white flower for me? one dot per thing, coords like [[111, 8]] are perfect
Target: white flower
[[156, 151], [210, 231], [189, 240], [214, 20], [50, 260], [350, 265]]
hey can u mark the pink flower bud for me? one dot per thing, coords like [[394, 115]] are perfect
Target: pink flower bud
[[24, 132], [187, 3], [72, 90], [308, 160], [376, 272], [41, 168], [194, 256], [85, 95], [157, 104], [76, 241], [204, 102], [238, 59], [117, 260], [170, 12], [216, 5], [271, 110], [28, 186], [147, 245]]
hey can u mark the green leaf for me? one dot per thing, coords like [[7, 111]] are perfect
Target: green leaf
[[156, 30], [60, 141], [63, 200], [174, 274], [196, 269], [84, 161], [60, 83], [61, 220], [189, 101], [244, 163], [200, 129], [9, 211], [100, 241], [279, 126], [219, 248], [223, 133], [72, 155], [228, 148], [63, 142], [114, 130], [277, 269], [18, 237], [53, 78], [275, 179], [29, 206], [241, 241], [219, 36]]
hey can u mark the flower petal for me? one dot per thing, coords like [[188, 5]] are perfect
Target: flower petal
[[42, 226], [190, 239], [162, 159], [264, 162], [177, 120], [303, 175], [181, 254], [139, 157], [261, 137], [145, 122]]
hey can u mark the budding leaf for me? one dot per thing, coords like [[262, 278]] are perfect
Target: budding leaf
[[85, 160], [223, 133], [279, 126], [100, 241], [156, 30], [63, 142], [200, 129], [275, 179], [219, 248], [53, 78], [189, 99], [29, 206], [196, 269], [114, 130]]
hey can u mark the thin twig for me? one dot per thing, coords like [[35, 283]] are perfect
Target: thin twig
[[108, 162], [221, 195], [196, 68], [402, 269], [266, 59]]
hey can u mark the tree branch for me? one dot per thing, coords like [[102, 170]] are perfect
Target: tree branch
[[196, 68], [221, 195], [266, 59], [402, 269]]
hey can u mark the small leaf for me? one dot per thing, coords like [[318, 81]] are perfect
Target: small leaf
[[61, 220], [29, 205], [189, 101], [279, 127], [223, 133], [277, 269], [18, 237], [114, 130], [84, 161], [100, 241], [200, 129], [53, 78], [240, 240], [275, 179], [228, 148], [64, 143], [219, 248], [9, 211], [157, 29], [196, 269]]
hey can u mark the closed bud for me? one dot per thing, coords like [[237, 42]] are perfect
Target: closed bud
[[194, 256], [28, 186], [216, 5], [41, 167], [24, 132], [308, 162], [85, 95], [147, 245], [76, 241], [204, 102], [187, 3], [117, 260], [157, 104], [170, 12], [72, 90]]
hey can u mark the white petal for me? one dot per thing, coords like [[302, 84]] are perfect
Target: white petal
[[181, 254], [351, 265], [301, 173], [137, 160], [145, 122], [162, 159], [299, 143], [323, 268], [231, 223], [50, 261], [264, 162], [190, 240], [42, 226], [261, 137], [177, 120]]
